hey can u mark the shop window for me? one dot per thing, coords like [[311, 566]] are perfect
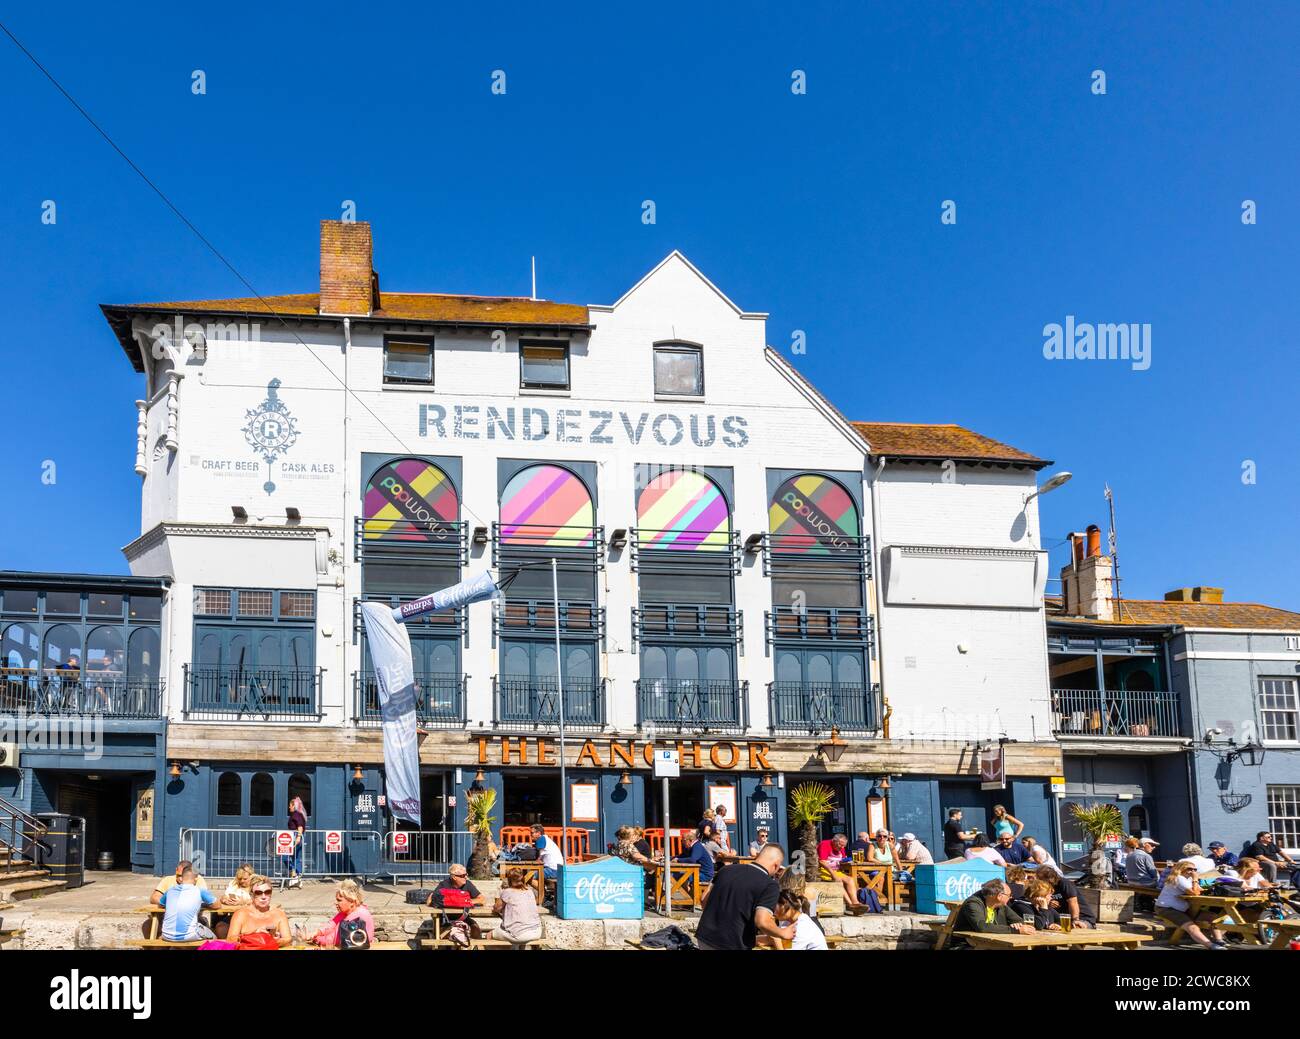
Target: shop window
[[300, 786], [142, 655], [679, 370], [261, 795], [408, 361], [230, 794]]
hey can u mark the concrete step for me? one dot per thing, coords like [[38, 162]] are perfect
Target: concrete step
[[30, 889], [17, 876]]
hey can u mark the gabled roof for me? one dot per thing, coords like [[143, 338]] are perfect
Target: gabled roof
[[678, 256], [395, 307], [911, 441], [1164, 613]]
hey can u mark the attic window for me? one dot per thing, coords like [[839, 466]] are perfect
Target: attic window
[[679, 370], [544, 366], [408, 361]]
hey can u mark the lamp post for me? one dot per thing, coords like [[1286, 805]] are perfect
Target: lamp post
[[559, 688]]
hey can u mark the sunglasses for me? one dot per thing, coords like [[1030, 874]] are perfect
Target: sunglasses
[[460, 876], [261, 891]]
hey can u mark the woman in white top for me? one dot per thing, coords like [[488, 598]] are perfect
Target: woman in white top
[[791, 909], [980, 849], [1172, 906], [1039, 857]]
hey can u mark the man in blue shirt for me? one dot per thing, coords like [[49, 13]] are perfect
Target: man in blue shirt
[[183, 903], [696, 853], [1221, 855], [1012, 851]]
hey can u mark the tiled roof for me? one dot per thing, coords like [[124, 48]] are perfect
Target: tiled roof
[[937, 442], [1148, 612], [431, 308]]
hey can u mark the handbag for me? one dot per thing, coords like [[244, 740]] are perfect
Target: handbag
[[352, 935], [454, 898], [259, 940]]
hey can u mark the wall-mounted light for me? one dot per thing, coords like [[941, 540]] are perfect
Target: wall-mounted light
[[833, 749], [175, 770], [618, 538], [477, 785], [626, 778], [875, 795], [753, 543], [357, 774], [292, 515], [480, 535], [239, 512], [767, 782]]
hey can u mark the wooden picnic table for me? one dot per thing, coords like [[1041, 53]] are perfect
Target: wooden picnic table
[[880, 878], [1054, 939], [728, 858], [156, 914], [534, 876], [684, 889], [1228, 916]]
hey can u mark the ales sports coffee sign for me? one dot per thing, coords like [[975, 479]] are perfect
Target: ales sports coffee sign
[[813, 514]]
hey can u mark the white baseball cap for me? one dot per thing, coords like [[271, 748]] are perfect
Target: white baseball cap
[[909, 836]]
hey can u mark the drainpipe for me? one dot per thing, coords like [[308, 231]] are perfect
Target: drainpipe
[[875, 586], [343, 642]]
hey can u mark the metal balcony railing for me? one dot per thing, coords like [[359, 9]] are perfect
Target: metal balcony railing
[[574, 548], [695, 622], [808, 555], [685, 553], [255, 694], [398, 540], [451, 623], [78, 693], [692, 704], [819, 624], [1115, 712], [536, 701], [816, 707], [439, 699], [578, 618]]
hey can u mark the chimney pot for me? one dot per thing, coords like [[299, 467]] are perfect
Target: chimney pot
[[348, 283]]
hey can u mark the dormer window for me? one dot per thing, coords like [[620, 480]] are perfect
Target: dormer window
[[679, 370], [408, 361], [544, 366]]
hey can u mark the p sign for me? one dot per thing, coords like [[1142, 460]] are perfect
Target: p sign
[[284, 842], [333, 842]]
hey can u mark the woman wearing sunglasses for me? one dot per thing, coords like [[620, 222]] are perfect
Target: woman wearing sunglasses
[[261, 916]]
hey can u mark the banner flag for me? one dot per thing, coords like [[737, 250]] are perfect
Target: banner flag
[[390, 654], [476, 589]]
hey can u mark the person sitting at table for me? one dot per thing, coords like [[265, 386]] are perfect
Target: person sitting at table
[[457, 879], [548, 851], [910, 849], [860, 846], [833, 855], [1173, 907], [758, 843], [1139, 864], [1204, 864], [520, 920], [1005, 822], [640, 843], [708, 837], [1012, 851], [1222, 858], [1040, 901], [793, 910], [260, 917], [1040, 857], [987, 912], [627, 850], [694, 852], [1065, 898], [351, 905], [183, 901], [882, 851], [172, 881], [1019, 879], [1251, 875], [238, 891], [1270, 856], [792, 880], [979, 849]]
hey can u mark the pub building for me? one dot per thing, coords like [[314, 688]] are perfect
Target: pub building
[[703, 515]]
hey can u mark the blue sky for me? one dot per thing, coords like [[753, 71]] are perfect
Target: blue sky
[[822, 209]]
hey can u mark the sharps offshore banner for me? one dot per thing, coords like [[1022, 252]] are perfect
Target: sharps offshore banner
[[390, 651]]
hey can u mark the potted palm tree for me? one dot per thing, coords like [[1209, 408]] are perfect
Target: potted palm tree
[[810, 803], [1097, 822], [478, 820]]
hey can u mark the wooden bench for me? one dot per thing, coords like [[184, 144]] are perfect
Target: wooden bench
[[1284, 931], [483, 943], [162, 943], [1055, 940], [943, 928]]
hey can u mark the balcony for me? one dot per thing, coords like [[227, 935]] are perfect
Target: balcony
[[814, 624], [439, 699], [1115, 712], [74, 694], [536, 702], [808, 555], [691, 704], [694, 622], [578, 618], [252, 694], [818, 707], [410, 541]]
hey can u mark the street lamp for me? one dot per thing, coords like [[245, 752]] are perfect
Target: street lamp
[[1056, 481]]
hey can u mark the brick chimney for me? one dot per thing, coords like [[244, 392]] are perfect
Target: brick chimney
[[1088, 580], [1201, 593], [348, 283]]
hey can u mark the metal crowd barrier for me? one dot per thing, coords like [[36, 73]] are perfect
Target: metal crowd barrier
[[219, 852], [429, 854]]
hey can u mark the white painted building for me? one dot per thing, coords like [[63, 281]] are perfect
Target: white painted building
[[300, 453]]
